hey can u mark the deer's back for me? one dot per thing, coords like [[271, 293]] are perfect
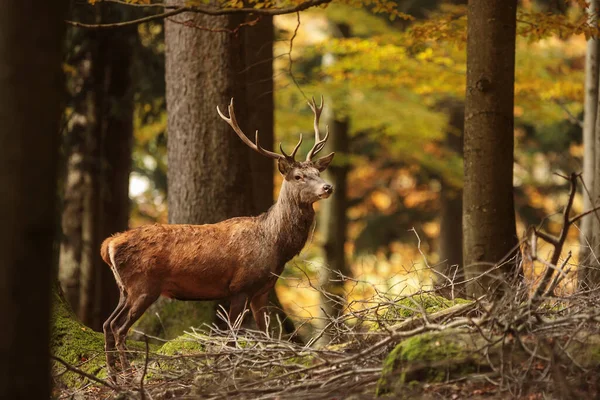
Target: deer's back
[[185, 260]]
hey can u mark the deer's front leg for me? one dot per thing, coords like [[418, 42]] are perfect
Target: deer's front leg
[[236, 307], [258, 304]]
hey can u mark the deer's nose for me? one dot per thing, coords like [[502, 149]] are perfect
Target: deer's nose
[[328, 188]]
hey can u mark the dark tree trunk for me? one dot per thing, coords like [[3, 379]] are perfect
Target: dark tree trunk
[[30, 99], [259, 41], [116, 146], [489, 215], [450, 239], [333, 220], [97, 184], [209, 175]]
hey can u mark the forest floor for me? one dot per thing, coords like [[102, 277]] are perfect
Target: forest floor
[[421, 346]]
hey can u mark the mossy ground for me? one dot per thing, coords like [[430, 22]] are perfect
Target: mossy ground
[[182, 345], [78, 345], [415, 305], [428, 357], [168, 319]]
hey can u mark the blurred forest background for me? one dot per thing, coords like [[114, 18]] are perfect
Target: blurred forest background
[[141, 143], [393, 83]]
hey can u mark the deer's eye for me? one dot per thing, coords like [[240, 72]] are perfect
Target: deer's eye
[[298, 177]]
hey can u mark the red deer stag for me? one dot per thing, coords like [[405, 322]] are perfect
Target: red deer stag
[[237, 259]]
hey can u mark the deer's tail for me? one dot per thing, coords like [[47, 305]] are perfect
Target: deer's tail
[[104, 253]]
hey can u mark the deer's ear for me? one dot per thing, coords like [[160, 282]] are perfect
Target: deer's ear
[[284, 166], [322, 163]]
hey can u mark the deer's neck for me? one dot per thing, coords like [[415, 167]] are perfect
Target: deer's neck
[[289, 222]]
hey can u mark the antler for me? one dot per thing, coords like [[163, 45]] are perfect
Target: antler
[[256, 146], [319, 143]]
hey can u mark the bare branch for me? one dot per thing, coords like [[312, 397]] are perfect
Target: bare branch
[[198, 10]]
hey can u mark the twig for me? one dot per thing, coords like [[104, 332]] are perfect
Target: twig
[[558, 243], [83, 373], [142, 392]]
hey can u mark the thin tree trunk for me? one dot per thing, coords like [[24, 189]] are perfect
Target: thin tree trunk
[[116, 146], [259, 41], [488, 209], [450, 239], [30, 99], [590, 223], [97, 185], [333, 220]]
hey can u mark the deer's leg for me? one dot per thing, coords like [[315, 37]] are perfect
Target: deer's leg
[[109, 337], [236, 307], [259, 310], [129, 314]]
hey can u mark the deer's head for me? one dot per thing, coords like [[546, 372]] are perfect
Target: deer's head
[[301, 178]]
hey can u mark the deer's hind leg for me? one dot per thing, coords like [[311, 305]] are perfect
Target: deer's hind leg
[[109, 337], [134, 307]]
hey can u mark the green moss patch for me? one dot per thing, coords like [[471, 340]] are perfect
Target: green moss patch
[[76, 344], [416, 305], [182, 345], [429, 357]]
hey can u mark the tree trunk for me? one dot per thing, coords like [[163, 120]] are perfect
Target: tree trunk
[[450, 238], [209, 176], [97, 184], [488, 209], [590, 107], [333, 220], [30, 99], [590, 225], [259, 41]]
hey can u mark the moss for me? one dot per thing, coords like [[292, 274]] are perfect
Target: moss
[[182, 345], [429, 357], [168, 318], [76, 344], [414, 305]]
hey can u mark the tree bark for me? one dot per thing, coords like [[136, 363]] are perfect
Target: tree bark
[[30, 100], [590, 110], [259, 41], [97, 185], [590, 225], [209, 174], [333, 220], [489, 215], [450, 238]]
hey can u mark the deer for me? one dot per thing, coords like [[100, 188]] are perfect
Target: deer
[[239, 259]]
